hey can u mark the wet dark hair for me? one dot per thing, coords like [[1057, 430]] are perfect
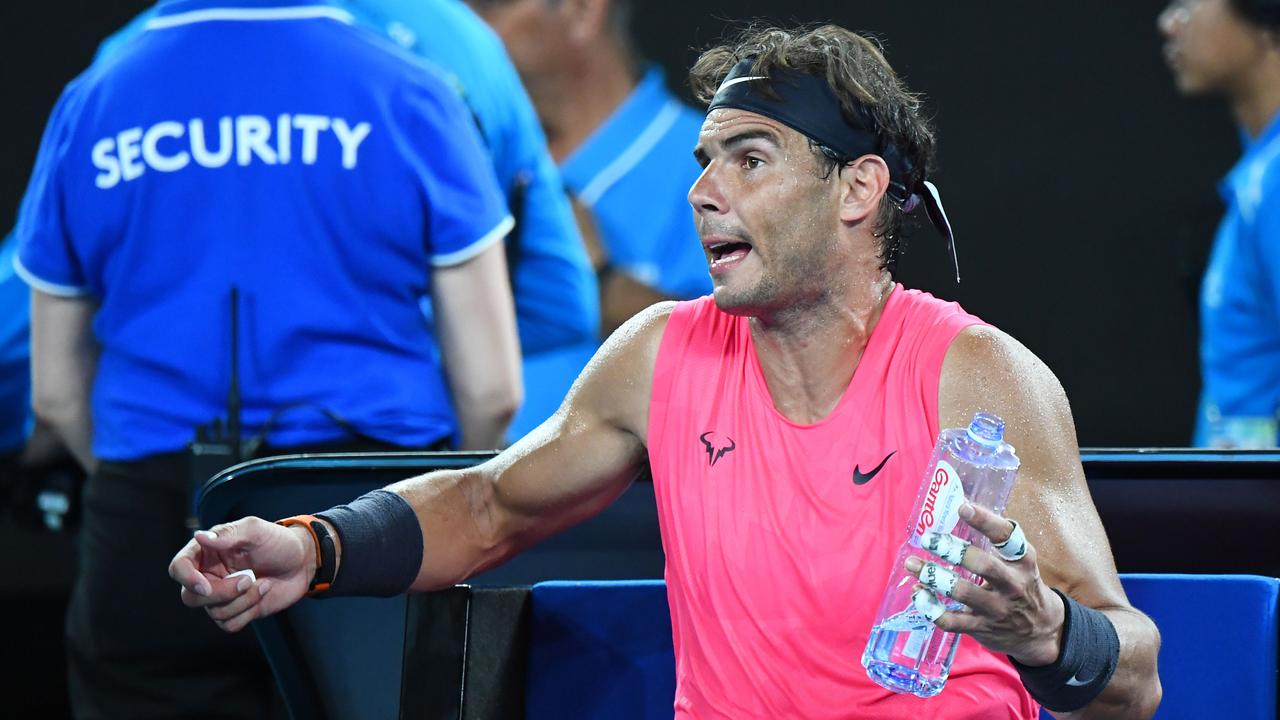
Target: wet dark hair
[[855, 68]]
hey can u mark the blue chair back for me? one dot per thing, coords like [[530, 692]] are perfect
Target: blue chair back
[[1219, 643], [600, 649], [603, 649]]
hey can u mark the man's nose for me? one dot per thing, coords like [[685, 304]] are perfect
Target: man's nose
[[704, 195], [1171, 18]]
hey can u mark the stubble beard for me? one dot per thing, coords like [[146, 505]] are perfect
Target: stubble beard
[[794, 287]]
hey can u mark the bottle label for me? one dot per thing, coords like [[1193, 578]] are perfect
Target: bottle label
[[941, 509], [915, 642]]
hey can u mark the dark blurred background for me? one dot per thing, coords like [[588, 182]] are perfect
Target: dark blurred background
[[1081, 187]]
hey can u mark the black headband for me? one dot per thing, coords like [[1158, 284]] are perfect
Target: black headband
[[807, 104]]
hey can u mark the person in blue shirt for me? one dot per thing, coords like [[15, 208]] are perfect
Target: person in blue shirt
[[267, 161], [15, 375], [1231, 49], [33, 463], [557, 305], [26, 447], [622, 140]]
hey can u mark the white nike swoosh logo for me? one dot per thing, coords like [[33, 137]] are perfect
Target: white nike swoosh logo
[[1075, 681]]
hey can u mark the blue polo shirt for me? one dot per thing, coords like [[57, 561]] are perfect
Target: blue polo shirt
[[634, 173], [556, 299], [273, 147], [557, 304], [15, 372], [1240, 304]]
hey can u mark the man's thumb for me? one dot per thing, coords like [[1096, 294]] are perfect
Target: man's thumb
[[218, 537]]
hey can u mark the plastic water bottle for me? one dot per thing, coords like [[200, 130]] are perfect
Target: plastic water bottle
[[906, 652]]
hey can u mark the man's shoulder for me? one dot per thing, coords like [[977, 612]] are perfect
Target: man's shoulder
[[923, 314], [986, 364], [633, 347], [645, 327], [617, 383]]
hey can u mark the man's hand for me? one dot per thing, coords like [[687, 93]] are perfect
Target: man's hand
[[283, 559], [1013, 611]]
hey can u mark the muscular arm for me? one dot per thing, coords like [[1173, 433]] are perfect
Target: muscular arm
[[64, 356], [567, 470], [477, 334], [988, 370]]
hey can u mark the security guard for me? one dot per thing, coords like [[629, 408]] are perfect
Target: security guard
[[557, 305], [274, 153]]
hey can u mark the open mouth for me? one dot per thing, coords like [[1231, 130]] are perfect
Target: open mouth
[[724, 254]]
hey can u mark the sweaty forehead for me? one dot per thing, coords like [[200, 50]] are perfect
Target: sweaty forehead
[[724, 124]]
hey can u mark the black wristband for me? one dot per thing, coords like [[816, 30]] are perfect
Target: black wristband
[[328, 559], [1090, 653], [381, 545]]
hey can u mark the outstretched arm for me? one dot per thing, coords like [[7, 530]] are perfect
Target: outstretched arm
[[1016, 612], [568, 469]]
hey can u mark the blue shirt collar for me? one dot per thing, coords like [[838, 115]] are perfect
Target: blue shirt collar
[[1269, 133], [1254, 150], [1256, 175], [616, 134], [173, 7]]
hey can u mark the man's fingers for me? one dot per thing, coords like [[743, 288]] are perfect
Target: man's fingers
[[923, 599], [946, 546], [219, 538], [216, 590], [995, 527], [952, 585], [238, 622], [190, 599], [939, 578], [183, 568], [961, 553], [1015, 547], [959, 622], [927, 603], [246, 599]]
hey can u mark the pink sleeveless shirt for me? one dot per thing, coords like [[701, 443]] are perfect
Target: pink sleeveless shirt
[[776, 555]]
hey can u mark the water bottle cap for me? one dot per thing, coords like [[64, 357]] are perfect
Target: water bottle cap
[[986, 429]]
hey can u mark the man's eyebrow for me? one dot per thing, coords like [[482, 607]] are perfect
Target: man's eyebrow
[[742, 137], [700, 153]]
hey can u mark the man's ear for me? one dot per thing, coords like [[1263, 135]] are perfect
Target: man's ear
[[586, 20], [862, 183]]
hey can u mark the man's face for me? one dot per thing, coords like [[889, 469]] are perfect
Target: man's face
[[1208, 45], [533, 32], [767, 219]]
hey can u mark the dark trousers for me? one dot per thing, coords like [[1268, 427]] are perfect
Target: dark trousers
[[133, 649]]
